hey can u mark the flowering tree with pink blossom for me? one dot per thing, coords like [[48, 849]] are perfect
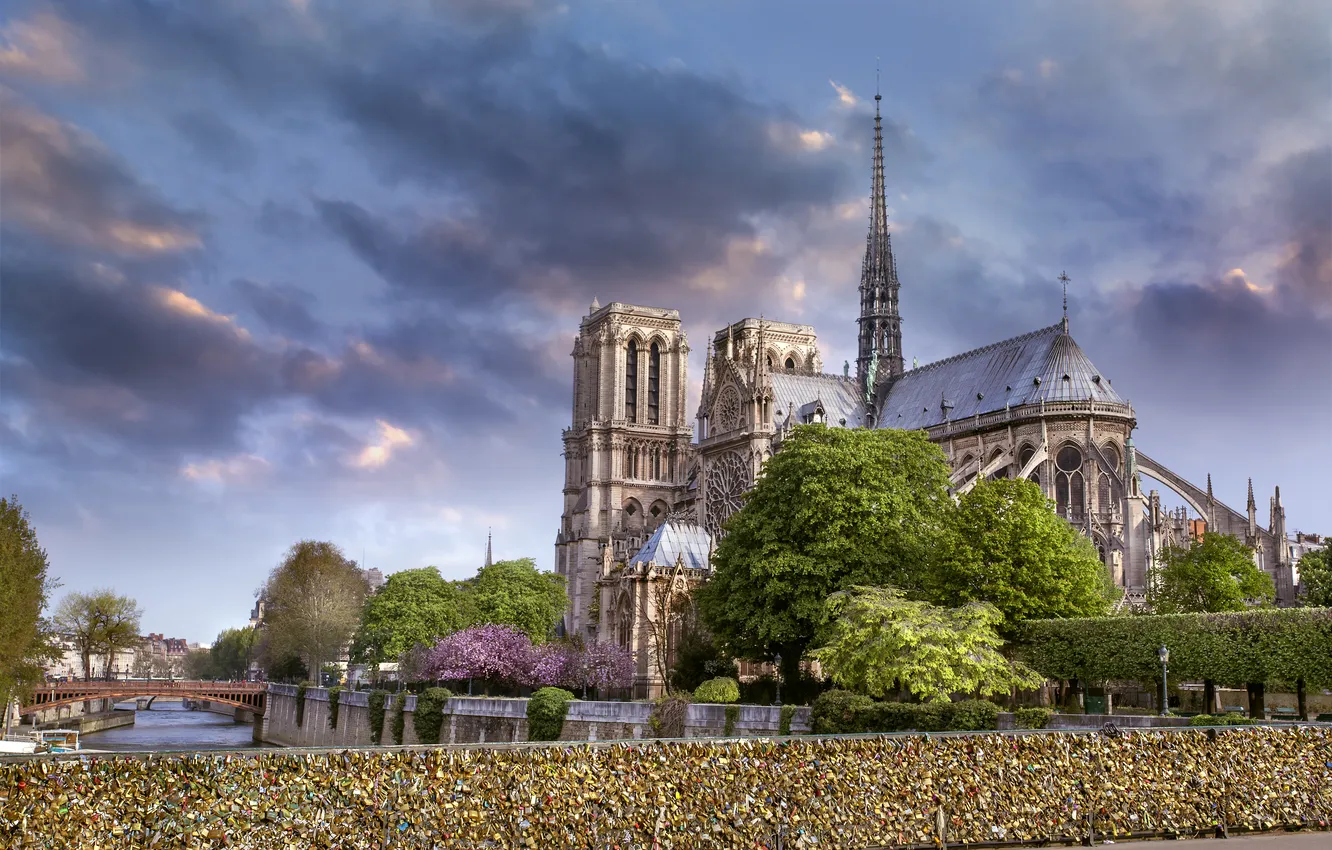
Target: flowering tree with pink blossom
[[602, 666], [552, 665], [500, 654]]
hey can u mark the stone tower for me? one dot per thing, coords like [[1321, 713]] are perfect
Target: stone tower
[[626, 453], [880, 348]]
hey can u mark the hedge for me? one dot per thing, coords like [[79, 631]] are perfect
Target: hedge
[[1292, 646], [546, 710], [839, 712], [1032, 718], [429, 717], [720, 690]]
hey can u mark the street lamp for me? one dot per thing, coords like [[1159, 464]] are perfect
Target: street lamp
[[1164, 655], [777, 659]]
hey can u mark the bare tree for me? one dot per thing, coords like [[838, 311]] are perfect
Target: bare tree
[[99, 623], [665, 610]]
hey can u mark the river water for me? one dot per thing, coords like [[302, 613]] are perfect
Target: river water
[[168, 726]]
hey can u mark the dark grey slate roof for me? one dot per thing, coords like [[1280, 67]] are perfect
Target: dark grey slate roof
[[671, 540], [1042, 365], [839, 396]]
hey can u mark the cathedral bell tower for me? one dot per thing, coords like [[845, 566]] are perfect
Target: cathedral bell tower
[[880, 349], [626, 452]]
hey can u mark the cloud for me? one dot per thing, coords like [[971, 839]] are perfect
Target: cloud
[[64, 185], [845, 97], [376, 454], [240, 468], [215, 139], [42, 48]]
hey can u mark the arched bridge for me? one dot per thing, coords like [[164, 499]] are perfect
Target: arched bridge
[[247, 695]]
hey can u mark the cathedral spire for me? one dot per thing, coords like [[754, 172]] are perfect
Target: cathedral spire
[[490, 559], [880, 323], [1064, 279]]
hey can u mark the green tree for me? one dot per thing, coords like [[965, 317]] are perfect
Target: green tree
[[1316, 577], [514, 593], [1014, 552], [1208, 576], [875, 640], [313, 602], [100, 623], [27, 639], [834, 508], [231, 653], [413, 607], [199, 664]]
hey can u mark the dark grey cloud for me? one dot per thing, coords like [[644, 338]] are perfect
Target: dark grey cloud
[[215, 139], [281, 307]]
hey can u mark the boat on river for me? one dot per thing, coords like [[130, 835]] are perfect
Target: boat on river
[[42, 741]]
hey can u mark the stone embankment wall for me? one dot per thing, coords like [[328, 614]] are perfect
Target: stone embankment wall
[[907, 790], [98, 721], [482, 720]]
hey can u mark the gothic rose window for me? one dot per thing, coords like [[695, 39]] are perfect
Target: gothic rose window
[[728, 479], [726, 413]]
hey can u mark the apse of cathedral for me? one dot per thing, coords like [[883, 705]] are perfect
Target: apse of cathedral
[[644, 501]]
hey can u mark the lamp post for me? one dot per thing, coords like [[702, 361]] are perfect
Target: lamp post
[[777, 660], [1164, 655]]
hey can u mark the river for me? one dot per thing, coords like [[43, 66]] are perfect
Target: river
[[168, 726]]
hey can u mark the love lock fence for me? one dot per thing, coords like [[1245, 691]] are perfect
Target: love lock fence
[[898, 791]]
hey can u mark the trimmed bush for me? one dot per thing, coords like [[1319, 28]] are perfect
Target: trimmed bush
[[732, 715], [974, 715], [399, 722], [839, 712], [300, 702], [1033, 718], [888, 717], [720, 690], [545, 714], [428, 719], [334, 694], [784, 724], [668, 717], [376, 705], [1230, 719]]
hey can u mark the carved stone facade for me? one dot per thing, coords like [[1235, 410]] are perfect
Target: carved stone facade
[[627, 453], [1033, 407]]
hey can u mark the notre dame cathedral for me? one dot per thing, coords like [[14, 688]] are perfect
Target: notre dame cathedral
[[644, 501]]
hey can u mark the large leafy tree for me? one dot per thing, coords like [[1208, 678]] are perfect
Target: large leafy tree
[[834, 508], [1012, 551], [313, 603], [100, 623], [875, 640], [514, 593], [1210, 575], [413, 607], [1316, 577], [27, 639]]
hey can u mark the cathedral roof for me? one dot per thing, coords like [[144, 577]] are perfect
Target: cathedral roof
[[1044, 365], [840, 397], [672, 540]]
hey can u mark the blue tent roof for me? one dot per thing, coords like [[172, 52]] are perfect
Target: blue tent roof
[[670, 541]]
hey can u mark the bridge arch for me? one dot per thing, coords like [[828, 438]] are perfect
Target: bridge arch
[[246, 695]]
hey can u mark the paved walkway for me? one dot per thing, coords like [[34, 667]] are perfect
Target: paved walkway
[[1271, 841]]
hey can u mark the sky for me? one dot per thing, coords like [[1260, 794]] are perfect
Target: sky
[[274, 270]]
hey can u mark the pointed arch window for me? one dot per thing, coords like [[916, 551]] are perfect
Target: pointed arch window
[[654, 383], [631, 382]]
